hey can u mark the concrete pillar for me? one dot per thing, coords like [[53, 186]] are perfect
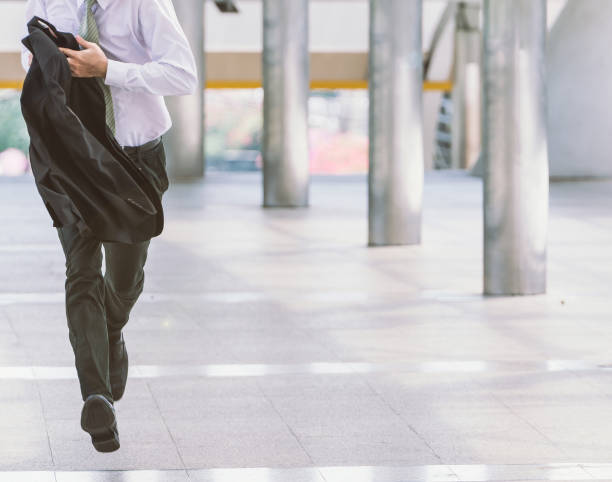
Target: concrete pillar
[[184, 142], [286, 88], [395, 180], [466, 141], [515, 147]]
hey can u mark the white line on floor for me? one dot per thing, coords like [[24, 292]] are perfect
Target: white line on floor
[[417, 473], [322, 368]]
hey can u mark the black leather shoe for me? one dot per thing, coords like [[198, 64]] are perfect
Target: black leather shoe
[[98, 419], [118, 367]]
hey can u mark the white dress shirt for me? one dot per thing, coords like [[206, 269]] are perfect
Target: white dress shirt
[[148, 57]]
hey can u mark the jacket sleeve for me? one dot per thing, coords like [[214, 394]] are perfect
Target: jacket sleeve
[[33, 7], [172, 69]]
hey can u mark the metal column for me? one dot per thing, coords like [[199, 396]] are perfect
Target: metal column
[[515, 147], [395, 180], [286, 88], [466, 140], [184, 142]]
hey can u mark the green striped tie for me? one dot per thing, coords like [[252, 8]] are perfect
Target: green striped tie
[[89, 31]]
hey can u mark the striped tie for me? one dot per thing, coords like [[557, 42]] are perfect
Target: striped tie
[[89, 31]]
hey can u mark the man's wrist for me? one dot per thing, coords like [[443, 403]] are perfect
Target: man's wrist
[[104, 68]]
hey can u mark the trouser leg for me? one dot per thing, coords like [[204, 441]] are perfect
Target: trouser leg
[[124, 276], [85, 310], [123, 282]]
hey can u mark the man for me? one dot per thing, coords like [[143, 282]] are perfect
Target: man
[[139, 53]]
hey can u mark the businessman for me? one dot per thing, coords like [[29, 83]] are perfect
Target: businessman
[[138, 52]]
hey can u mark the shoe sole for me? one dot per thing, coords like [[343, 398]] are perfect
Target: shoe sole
[[118, 389], [98, 419]]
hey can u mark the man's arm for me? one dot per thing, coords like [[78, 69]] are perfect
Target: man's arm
[[172, 70], [33, 7]]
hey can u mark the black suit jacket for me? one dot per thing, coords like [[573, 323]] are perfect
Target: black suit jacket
[[82, 174]]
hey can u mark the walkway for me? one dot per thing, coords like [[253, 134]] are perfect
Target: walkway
[[274, 346]]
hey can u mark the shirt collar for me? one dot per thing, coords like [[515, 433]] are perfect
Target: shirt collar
[[103, 3]]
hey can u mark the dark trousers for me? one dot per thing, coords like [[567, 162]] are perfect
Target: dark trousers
[[98, 306]]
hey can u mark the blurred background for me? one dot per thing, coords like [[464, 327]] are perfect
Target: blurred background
[[338, 105]]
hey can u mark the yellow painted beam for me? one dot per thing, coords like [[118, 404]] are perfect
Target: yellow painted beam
[[443, 86], [321, 84], [339, 84], [233, 84], [11, 84]]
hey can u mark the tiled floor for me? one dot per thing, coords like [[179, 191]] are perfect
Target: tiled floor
[[274, 345]]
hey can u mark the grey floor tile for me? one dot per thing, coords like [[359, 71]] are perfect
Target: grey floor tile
[[197, 431], [224, 450], [32, 458], [368, 449], [204, 388], [219, 407], [18, 391], [579, 430], [347, 417], [133, 455], [484, 436], [315, 387], [20, 413]]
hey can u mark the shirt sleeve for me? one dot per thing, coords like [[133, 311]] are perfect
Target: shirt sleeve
[[172, 69], [33, 7]]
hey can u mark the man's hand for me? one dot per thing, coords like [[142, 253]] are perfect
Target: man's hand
[[89, 62]]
